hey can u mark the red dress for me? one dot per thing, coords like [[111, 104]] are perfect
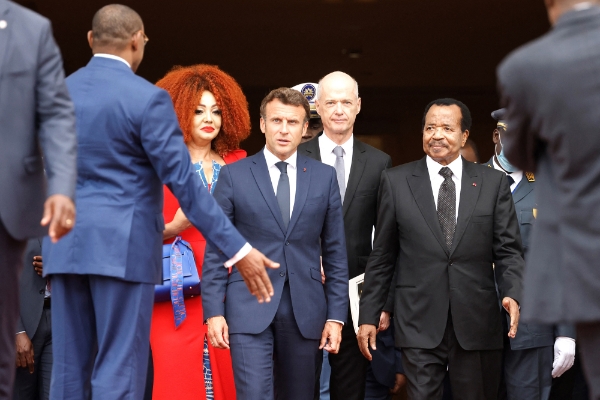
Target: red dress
[[177, 354]]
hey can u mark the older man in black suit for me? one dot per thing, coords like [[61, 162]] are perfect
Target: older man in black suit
[[446, 222], [551, 89], [358, 168]]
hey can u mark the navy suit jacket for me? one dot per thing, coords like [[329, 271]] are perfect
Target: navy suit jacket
[[316, 228], [36, 115], [129, 145], [530, 335]]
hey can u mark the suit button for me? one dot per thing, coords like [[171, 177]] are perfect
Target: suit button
[[42, 291], [287, 243], [282, 274]]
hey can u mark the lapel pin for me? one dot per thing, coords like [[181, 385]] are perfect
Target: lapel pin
[[3, 24], [474, 184], [304, 170]]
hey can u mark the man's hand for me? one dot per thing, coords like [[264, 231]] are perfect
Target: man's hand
[[398, 384], [218, 332], [332, 335], [512, 308], [24, 352], [564, 355], [384, 321], [366, 335], [252, 269], [59, 212], [38, 265]]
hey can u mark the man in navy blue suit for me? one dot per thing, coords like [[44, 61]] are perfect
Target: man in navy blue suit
[[103, 273], [290, 207]]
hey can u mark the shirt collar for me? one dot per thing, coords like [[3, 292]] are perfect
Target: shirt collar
[[455, 166], [113, 57], [517, 175], [272, 159], [328, 145]]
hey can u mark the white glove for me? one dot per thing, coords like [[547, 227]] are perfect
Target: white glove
[[564, 355]]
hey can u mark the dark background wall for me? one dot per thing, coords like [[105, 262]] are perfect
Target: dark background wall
[[402, 53]]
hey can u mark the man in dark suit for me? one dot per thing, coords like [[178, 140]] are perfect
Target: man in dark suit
[[289, 206], [538, 352], [358, 167], [550, 91], [34, 330], [103, 273], [36, 116], [446, 222]]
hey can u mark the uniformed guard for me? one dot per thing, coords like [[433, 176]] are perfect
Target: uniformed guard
[[538, 353], [315, 126]]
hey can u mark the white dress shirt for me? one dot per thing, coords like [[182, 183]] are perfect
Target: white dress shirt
[[112, 56], [274, 173], [436, 179], [326, 147], [517, 175]]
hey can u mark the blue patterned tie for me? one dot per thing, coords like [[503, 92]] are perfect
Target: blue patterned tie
[[177, 284], [283, 193]]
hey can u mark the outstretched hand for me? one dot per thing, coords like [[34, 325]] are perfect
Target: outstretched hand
[[252, 268]]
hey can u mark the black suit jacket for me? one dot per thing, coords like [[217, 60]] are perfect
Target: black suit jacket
[[32, 289], [432, 280], [550, 88], [360, 201]]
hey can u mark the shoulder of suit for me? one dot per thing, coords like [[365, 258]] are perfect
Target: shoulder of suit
[[30, 17], [402, 169], [373, 151]]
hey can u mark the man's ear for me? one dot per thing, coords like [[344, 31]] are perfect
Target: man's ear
[[134, 42], [90, 38], [358, 104], [496, 136], [465, 136]]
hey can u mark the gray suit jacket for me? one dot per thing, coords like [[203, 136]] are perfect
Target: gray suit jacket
[[36, 116], [551, 88], [32, 289]]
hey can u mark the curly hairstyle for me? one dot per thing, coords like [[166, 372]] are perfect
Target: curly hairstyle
[[186, 85]]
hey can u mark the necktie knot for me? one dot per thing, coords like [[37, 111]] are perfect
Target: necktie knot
[[511, 180], [446, 172], [338, 151], [282, 165]]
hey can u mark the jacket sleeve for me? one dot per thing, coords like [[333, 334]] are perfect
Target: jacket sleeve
[[507, 248], [163, 143], [56, 118]]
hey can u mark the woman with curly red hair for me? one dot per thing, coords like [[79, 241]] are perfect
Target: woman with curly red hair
[[213, 115]]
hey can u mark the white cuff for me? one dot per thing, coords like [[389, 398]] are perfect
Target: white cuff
[[19, 332], [239, 255], [335, 320]]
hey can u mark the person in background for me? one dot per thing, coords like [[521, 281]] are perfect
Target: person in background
[[34, 329], [315, 125], [549, 89], [358, 167], [36, 118], [213, 114], [538, 352]]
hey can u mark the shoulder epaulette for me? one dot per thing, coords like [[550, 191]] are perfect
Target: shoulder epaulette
[[530, 177]]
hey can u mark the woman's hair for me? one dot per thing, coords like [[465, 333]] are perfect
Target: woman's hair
[[186, 85]]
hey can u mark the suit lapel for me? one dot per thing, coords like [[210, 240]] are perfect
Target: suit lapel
[[523, 189], [420, 186], [356, 171], [4, 36], [312, 149], [302, 183], [263, 181], [469, 193]]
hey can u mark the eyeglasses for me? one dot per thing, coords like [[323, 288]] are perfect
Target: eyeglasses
[[146, 40]]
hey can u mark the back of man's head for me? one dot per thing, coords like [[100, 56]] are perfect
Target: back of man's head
[[113, 25]]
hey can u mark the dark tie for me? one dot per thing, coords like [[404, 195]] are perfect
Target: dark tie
[[510, 179], [446, 209], [340, 170], [283, 193]]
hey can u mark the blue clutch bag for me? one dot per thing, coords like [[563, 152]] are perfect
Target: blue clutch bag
[[189, 272]]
